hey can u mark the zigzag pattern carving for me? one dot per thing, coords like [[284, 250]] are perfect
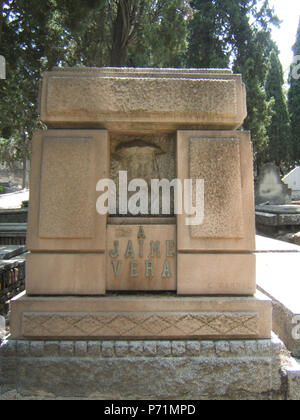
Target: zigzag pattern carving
[[150, 325]]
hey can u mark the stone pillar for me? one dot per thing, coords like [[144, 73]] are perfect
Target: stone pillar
[[66, 235], [216, 257]]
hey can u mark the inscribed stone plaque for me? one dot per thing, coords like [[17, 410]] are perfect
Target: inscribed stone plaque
[[67, 191], [217, 162], [141, 258]]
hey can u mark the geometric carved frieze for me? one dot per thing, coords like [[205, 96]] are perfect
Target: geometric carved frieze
[[140, 325]]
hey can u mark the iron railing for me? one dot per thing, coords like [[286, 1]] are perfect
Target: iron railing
[[12, 282]]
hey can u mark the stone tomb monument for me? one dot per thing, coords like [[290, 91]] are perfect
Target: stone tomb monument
[[122, 275]]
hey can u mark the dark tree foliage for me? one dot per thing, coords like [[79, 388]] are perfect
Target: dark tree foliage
[[279, 149], [38, 35], [294, 100], [225, 32]]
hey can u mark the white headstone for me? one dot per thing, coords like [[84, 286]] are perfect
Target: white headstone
[[2, 327], [293, 179], [2, 67]]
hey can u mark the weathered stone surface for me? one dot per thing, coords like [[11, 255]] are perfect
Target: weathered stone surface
[[13, 215], [282, 209], [217, 162], [216, 274], [66, 166], [65, 274], [228, 223], [269, 188], [293, 377], [147, 99], [196, 370], [146, 317], [272, 280], [67, 174], [145, 157], [281, 215], [151, 325]]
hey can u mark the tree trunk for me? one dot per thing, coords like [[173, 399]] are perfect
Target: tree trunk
[[24, 173], [121, 31], [1, 21]]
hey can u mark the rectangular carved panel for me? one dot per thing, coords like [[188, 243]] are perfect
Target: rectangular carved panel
[[67, 190], [66, 166], [223, 162], [217, 162]]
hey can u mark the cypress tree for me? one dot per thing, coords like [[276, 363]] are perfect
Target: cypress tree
[[279, 149], [207, 43], [225, 32], [294, 100]]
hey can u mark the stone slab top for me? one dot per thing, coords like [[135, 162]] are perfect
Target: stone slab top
[[278, 277], [280, 219], [10, 251], [141, 299], [264, 244], [13, 227], [136, 100], [283, 209], [13, 211], [145, 71]]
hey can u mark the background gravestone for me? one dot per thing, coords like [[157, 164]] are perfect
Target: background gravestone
[[292, 179], [270, 189]]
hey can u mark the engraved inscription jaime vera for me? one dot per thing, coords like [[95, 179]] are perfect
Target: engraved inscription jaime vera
[[140, 258]]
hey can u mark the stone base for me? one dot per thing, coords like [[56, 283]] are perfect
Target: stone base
[[292, 371], [141, 317], [175, 370]]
